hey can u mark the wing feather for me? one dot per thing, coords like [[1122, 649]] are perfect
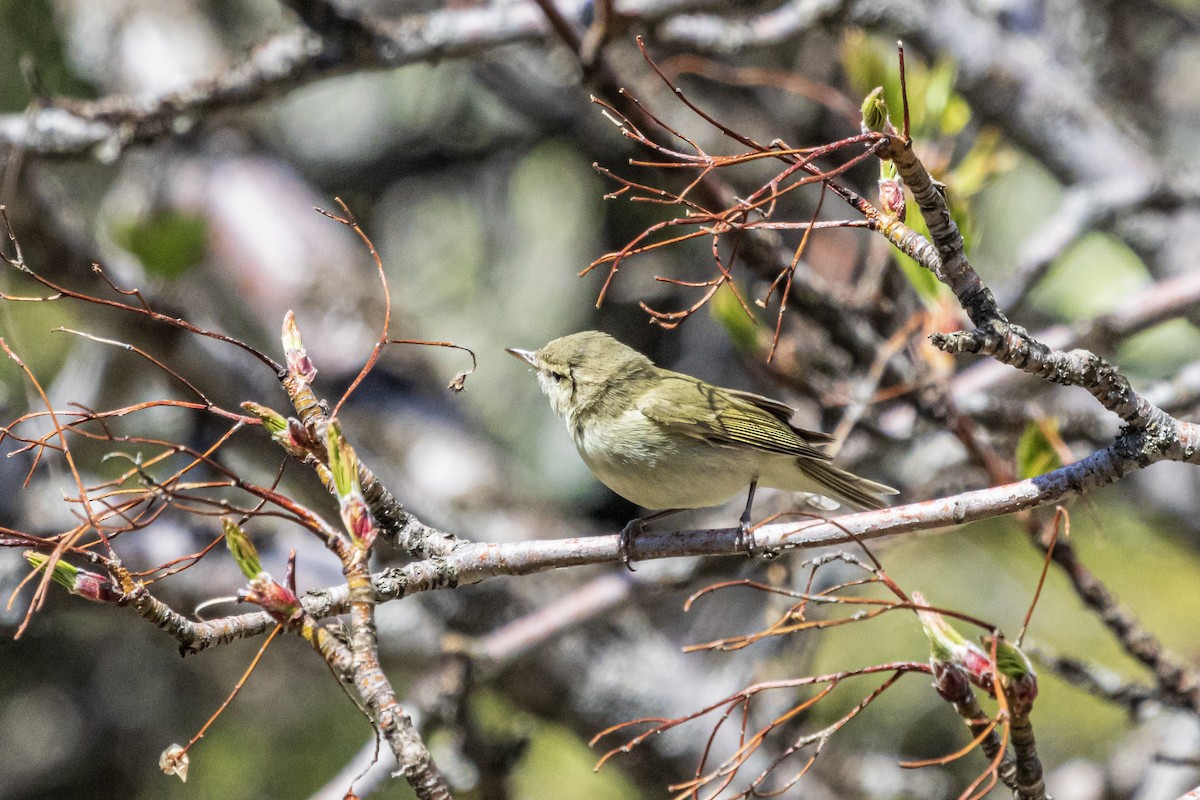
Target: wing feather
[[730, 417]]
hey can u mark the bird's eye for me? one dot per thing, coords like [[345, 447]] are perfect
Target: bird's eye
[[556, 376]]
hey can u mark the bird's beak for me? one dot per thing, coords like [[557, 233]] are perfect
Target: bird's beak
[[528, 356]]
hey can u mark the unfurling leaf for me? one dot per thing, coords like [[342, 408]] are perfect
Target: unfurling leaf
[[891, 191], [298, 361], [1016, 670], [273, 422], [343, 463], [875, 113], [946, 644], [242, 548], [79, 582], [271, 596]]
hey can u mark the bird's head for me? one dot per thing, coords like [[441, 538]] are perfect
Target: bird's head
[[586, 370]]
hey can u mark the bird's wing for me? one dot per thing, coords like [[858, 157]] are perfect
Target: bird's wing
[[781, 411], [723, 416]]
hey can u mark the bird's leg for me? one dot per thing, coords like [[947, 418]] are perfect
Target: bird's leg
[[633, 529], [745, 537]]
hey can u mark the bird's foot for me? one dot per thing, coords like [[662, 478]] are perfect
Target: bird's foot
[[745, 541], [629, 534], [745, 537]]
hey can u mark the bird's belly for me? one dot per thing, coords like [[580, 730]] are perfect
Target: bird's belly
[[658, 471]]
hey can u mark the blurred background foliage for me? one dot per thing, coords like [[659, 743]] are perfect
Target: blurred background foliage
[[474, 178]]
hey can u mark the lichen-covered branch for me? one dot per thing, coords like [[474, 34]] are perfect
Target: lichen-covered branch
[[104, 128]]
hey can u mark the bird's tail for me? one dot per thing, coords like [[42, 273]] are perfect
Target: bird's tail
[[846, 487]]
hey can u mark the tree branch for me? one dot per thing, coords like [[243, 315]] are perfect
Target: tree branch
[[104, 128]]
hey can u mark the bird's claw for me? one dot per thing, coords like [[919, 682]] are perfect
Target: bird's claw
[[629, 533], [745, 541], [745, 538]]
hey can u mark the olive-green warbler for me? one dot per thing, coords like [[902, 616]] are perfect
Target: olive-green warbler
[[667, 441]]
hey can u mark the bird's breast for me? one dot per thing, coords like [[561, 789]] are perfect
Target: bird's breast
[[658, 468]]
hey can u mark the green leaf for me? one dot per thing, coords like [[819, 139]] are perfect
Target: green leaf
[[926, 284], [987, 158], [939, 88], [1035, 450], [865, 61], [1108, 267], [25, 327], [1158, 353], [168, 243], [955, 115], [742, 329]]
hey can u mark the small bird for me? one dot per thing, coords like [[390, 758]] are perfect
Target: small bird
[[668, 441]]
